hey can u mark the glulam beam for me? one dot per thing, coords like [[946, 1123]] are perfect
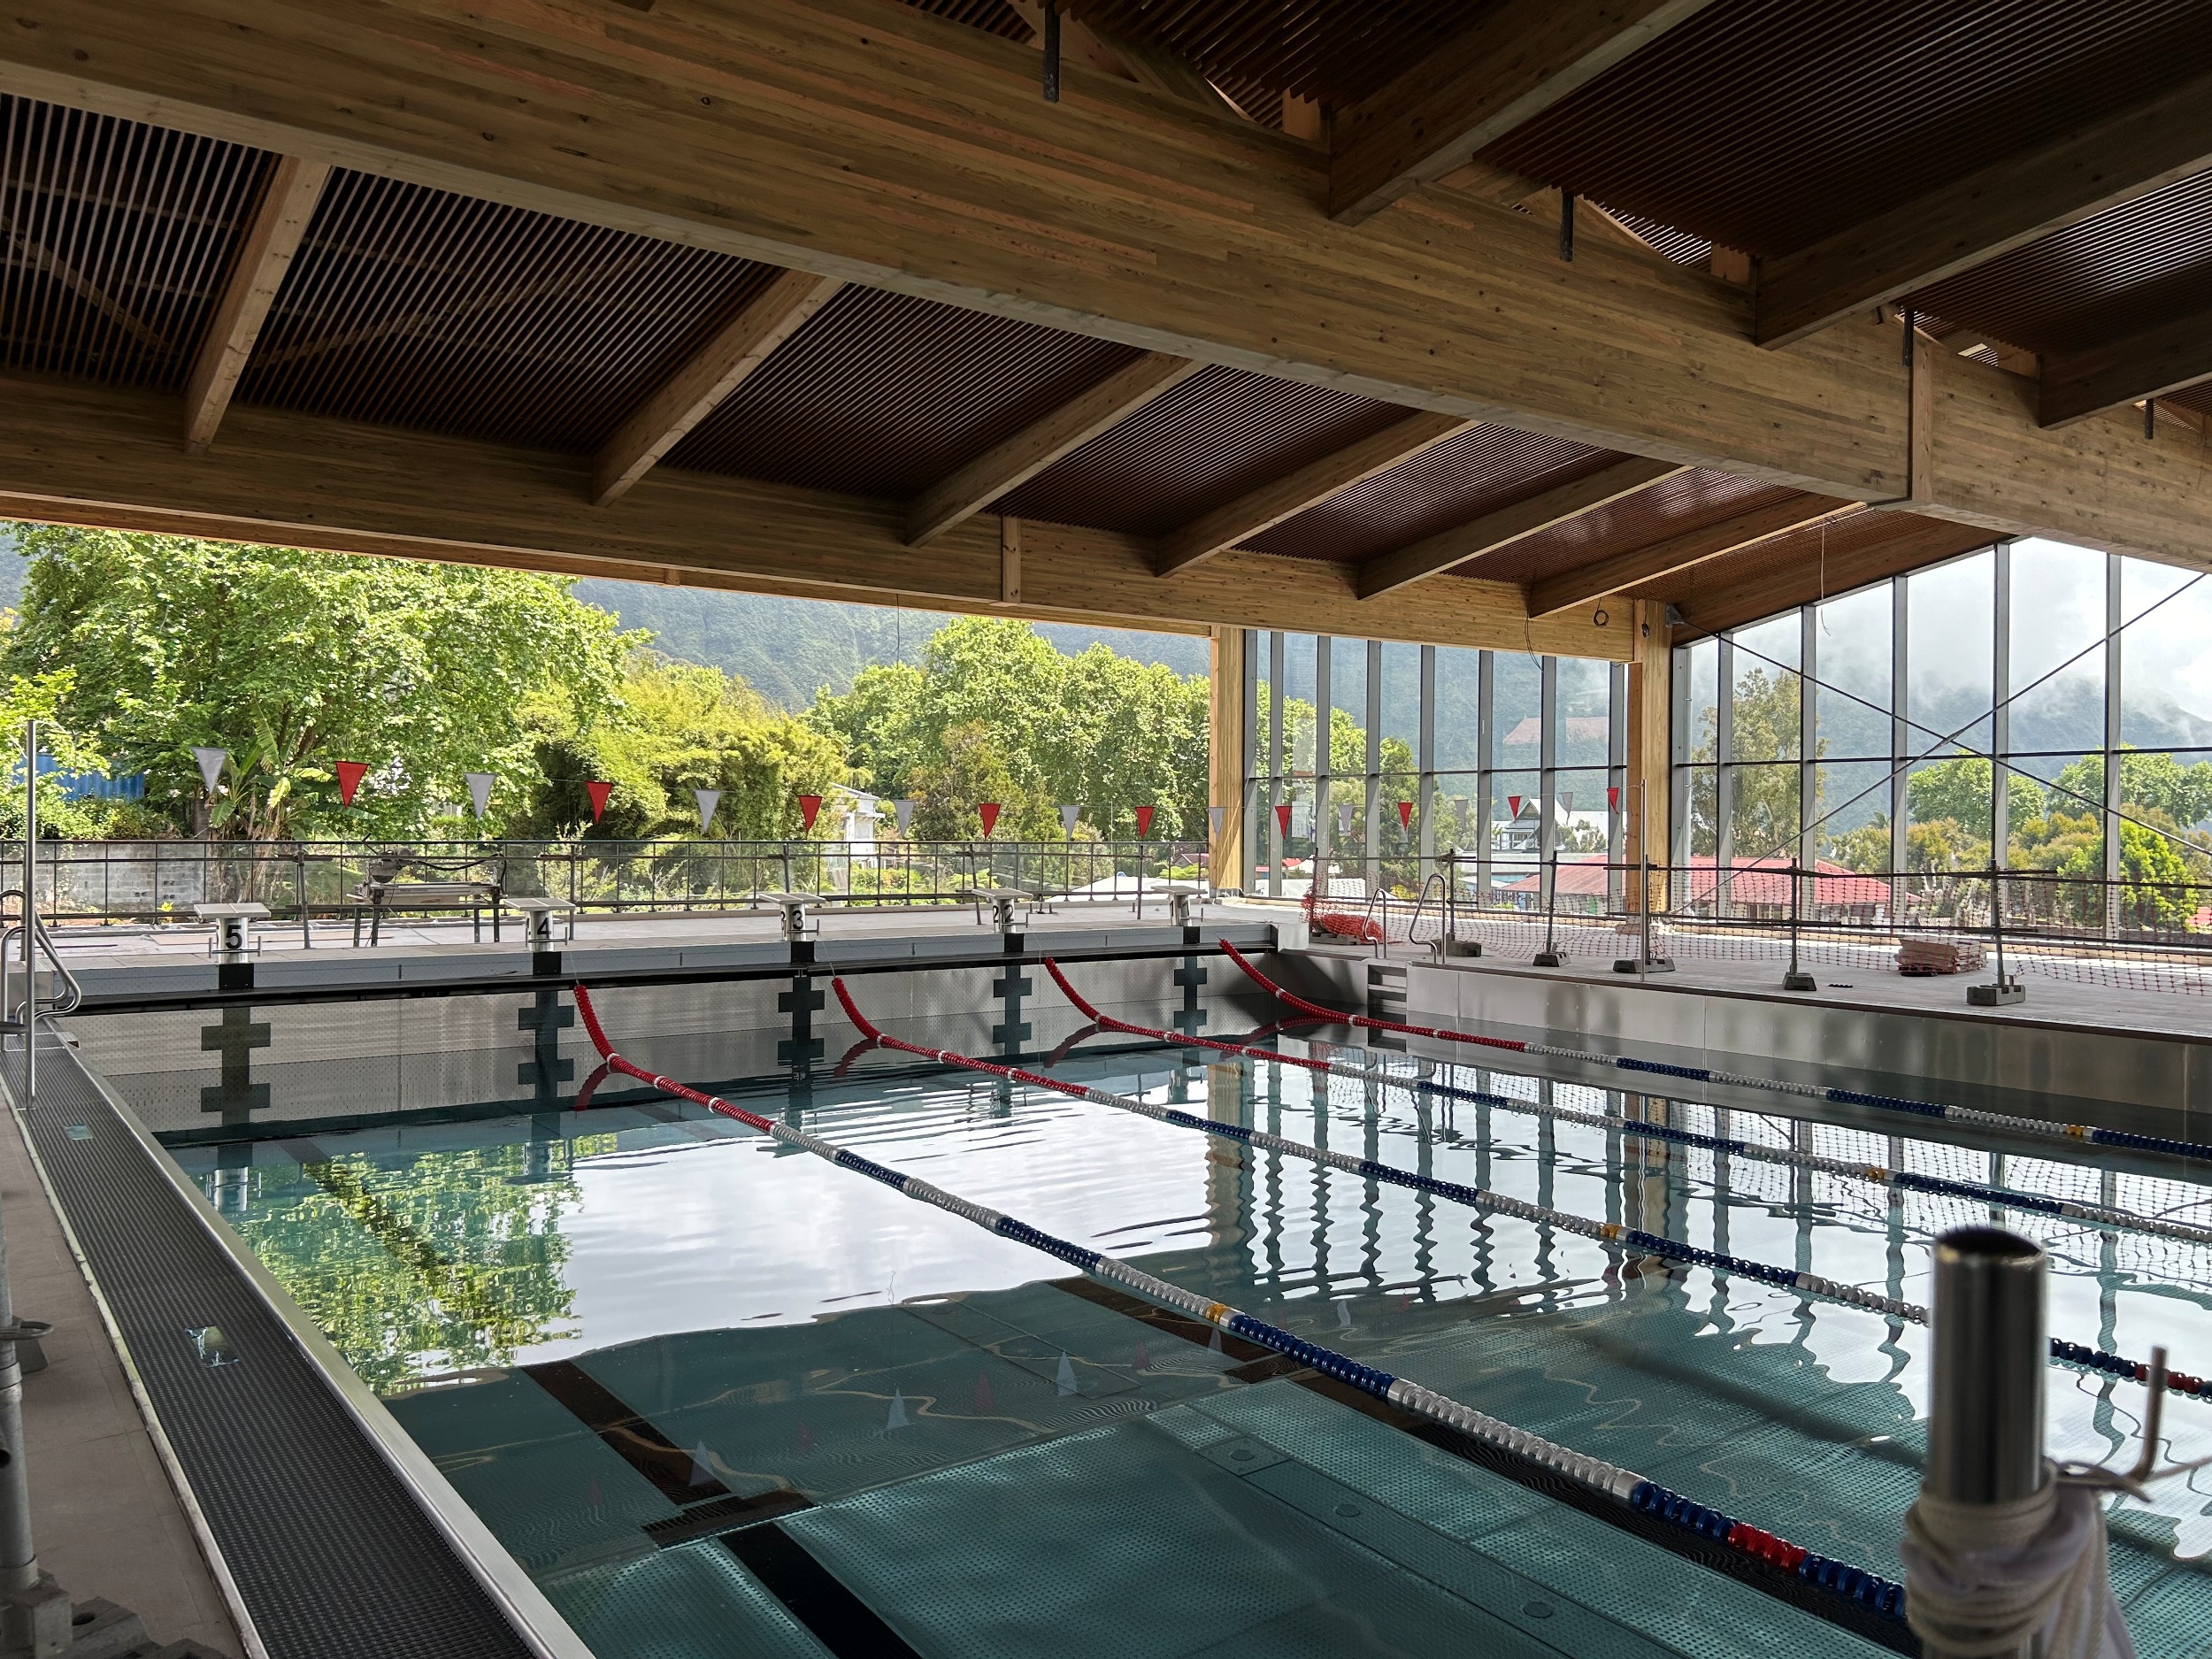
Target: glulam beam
[[1519, 59], [690, 394], [1588, 583], [272, 236]]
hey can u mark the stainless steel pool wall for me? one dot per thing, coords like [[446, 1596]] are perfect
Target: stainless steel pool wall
[[2153, 1082]]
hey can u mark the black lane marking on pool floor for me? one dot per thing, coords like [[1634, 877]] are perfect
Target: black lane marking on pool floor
[[1261, 1365], [636, 1442], [727, 1515], [840, 1620]]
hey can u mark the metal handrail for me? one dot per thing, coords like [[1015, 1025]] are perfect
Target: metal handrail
[[11, 1018]]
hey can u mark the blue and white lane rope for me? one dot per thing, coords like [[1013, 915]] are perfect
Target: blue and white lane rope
[[1868, 1589], [2036, 1126], [2072, 1354], [1373, 1067]]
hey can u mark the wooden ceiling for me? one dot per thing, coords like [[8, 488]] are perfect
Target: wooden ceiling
[[1279, 316]]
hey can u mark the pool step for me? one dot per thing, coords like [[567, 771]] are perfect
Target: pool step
[[1385, 1000]]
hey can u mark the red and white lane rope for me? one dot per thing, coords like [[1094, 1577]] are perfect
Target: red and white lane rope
[[1705, 1074]]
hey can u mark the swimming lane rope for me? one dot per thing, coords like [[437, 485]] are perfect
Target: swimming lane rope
[[1868, 1589], [2072, 1354], [1906, 1180], [2087, 1132]]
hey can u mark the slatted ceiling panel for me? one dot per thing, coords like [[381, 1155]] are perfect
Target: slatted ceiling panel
[[1680, 246], [413, 307], [116, 236], [992, 17], [1481, 470], [1219, 434], [2122, 270], [883, 395], [1766, 125], [1338, 52], [1688, 501]]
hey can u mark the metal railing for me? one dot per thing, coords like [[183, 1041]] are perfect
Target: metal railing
[[2151, 935], [161, 880]]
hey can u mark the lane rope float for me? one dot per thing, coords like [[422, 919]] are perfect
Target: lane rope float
[[2036, 1126], [1375, 1066], [1624, 1485]]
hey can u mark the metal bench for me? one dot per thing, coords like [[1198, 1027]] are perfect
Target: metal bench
[[409, 881]]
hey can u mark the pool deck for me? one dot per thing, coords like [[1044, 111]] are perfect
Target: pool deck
[[105, 1517]]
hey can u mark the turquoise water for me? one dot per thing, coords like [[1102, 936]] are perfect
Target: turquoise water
[[602, 1324]]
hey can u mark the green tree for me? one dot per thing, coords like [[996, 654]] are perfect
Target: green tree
[[1036, 727], [678, 728], [1960, 791], [2148, 779], [1866, 848], [295, 660], [451, 1262]]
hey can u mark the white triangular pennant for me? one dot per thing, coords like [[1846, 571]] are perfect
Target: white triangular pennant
[[904, 810], [1067, 1376], [701, 1466], [211, 763], [897, 1419], [707, 800], [480, 785], [1566, 802], [1343, 818], [1214, 815], [1068, 815], [1343, 1315]]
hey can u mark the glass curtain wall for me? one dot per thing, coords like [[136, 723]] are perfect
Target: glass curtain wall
[[1494, 759], [2032, 706]]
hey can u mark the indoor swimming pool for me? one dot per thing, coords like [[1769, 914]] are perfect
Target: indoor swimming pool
[[717, 1396]]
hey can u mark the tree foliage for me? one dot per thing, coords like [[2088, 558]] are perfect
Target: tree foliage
[[295, 660], [676, 728], [994, 707]]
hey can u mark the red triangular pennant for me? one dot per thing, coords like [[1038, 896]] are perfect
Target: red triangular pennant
[[1405, 816], [598, 792], [810, 805], [350, 775], [1282, 819], [1613, 800], [1514, 800], [988, 812], [1144, 822]]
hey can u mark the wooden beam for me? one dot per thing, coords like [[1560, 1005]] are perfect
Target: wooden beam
[[1621, 571], [2013, 201], [1006, 466], [1224, 758], [1914, 542], [1519, 59], [79, 454], [2168, 358], [256, 271], [881, 145], [1508, 525], [1650, 799], [718, 368], [1286, 497]]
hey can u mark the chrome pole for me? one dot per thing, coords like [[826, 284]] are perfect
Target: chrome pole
[[1986, 1408], [30, 920], [18, 1558]]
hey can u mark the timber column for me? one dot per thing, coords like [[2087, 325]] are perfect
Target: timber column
[[1225, 758], [1650, 775]]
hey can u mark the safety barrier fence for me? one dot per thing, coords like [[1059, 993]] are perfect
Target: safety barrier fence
[[159, 881], [2141, 934], [1624, 1486]]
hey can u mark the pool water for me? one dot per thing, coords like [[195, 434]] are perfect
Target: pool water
[[720, 1397]]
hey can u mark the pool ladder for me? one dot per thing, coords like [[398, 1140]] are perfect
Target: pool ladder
[[21, 1013]]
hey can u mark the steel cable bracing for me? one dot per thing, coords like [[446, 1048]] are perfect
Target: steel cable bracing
[[2072, 1354], [2036, 1126], [1856, 1584]]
